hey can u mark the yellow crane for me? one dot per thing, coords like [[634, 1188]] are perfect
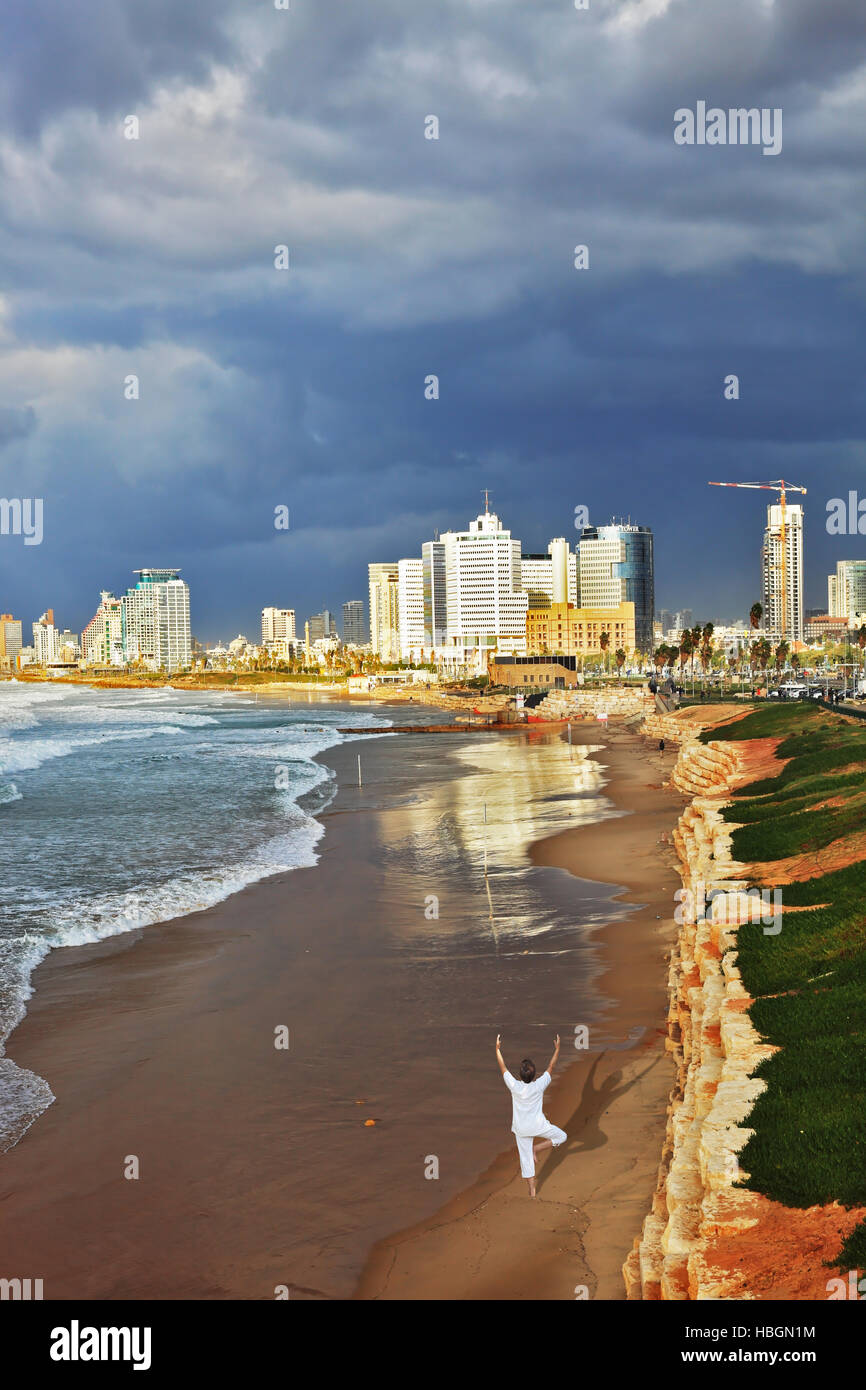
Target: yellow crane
[[781, 487]]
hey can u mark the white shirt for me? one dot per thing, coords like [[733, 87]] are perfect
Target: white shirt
[[527, 1118]]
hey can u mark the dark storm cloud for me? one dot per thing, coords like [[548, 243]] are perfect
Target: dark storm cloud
[[411, 257], [102, 55]]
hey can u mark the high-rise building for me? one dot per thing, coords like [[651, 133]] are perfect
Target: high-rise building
[[775, 576], [550, 578], [615, 565], [156, 627], [102, 639], [278, 625], [46, 639], [10, 641], [435, 604], [384, 611], [322, 625], [355, 630], [486, 607], [666, 620], [683, 618], [847, 592], [410, 609]]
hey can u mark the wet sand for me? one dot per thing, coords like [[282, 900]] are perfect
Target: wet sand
[[492, 1241], [256, 1167]]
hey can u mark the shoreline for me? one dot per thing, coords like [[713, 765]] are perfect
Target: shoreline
[[490, 1241], [148, 1042]]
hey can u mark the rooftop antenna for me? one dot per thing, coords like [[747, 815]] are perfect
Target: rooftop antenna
[[486, 502]]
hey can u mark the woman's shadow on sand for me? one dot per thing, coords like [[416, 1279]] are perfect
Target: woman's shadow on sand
[[583, 1128]]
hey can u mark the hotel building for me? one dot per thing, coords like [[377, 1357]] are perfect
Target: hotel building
[[846, 592], [384, 611], [410, 609], [485, 605], [278, 625], [156, 628], [102, 639], [10, 641], [550, 578]]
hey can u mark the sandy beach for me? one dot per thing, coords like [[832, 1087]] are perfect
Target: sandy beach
[[256, 1167], [492, 1242]]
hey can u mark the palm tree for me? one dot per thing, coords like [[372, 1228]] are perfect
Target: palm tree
[[706, 646], [604, 643], [861, 641], [685, 649], [781, 654], [756, 613], [619, 654]]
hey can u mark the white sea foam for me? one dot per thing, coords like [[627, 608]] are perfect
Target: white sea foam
[[29, 755]]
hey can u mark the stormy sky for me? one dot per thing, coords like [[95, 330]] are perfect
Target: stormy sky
[[304, 127]]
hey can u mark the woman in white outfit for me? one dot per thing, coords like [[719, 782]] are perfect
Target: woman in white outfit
[[528, 1122]]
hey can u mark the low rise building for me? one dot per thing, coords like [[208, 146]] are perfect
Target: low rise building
[[534, 672], [578, 631]]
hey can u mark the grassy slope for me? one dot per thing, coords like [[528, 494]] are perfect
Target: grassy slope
[[809, 981]]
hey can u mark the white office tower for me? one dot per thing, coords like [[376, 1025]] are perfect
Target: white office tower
[[102, 639], [384, 611], [783, 619], [486, 607], [156, 620], [410, 609], [543, 576], [278, 625], [46, 640], [847, 592], [558, 550]]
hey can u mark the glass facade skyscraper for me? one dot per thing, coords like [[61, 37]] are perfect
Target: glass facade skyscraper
[[616, 566]]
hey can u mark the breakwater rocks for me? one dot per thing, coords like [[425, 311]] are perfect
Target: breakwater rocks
[[629, 702]]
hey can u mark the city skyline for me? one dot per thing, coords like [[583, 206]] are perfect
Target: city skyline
[[796, 625]]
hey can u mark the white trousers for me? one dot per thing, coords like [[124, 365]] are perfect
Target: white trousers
[[524, 1146]]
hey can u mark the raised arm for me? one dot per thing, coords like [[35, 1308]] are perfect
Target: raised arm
[[499, 1056], [552, 1063]]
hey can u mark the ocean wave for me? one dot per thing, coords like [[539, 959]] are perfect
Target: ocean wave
[[24, 1096], [8, 793], [32, 753]]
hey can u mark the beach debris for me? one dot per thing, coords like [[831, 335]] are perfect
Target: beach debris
[[367, 1123]]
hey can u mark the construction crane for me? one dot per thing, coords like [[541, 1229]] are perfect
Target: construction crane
[[781, 487]]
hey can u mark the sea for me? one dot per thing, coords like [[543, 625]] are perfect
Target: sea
[[122, 808]]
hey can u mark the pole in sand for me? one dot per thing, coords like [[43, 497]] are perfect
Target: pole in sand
[[485, 839], [359, 769]]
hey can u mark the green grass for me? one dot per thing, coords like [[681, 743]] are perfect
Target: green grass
[[808, 983], [797, 832]]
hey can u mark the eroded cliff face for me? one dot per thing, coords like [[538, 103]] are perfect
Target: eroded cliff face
[[710, 1035], [705, 1237]]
